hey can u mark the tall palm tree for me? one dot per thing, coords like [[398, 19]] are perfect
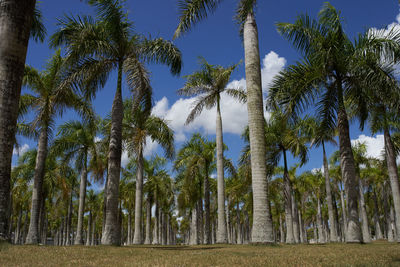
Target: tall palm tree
[[77, 140], [329, 75], [208, 84], [195, 161], [319, 137], [51, 98], [283, 136], [18, 21], [139, 125], [94, 49], [193, 11]]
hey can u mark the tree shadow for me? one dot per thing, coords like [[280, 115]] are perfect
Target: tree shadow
[[182, 247]]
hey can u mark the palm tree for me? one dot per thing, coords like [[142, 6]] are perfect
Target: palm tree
[[208, 83], [19, 21], [330, 75], [77, 140], [319, 137], [139, 125], [283, 136], [195, 161], [95, 49], [51, 99], [193, 11]]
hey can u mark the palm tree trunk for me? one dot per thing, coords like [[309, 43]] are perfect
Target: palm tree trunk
[[33, 233], [344, 214], [156, 215], [81, 210], [93, 230], [221, 230], [129, 238], [110, 234], [89, 229], [207, 228], [378, 231], [15, 23], [282, 233], [147, 241], [347, 165], [262, 225], [18, 230], [137, 238], [295, 218], [332, 222], [288, 203], [393, 177], [321, 238], [69, 219], [194, 233], [364, 218]]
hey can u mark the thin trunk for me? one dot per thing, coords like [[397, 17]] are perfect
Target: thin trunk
[[129, 238], [194, 233], [81, 210], [347, 165], [364, 218], [288, 202], [344, 214], [378, 231], [332, 221], [156, 215], [393, 177], [104, 203], [110, 234], [89, 229], [15, 23], [238, 225], [18, 231], [282, 233], [207, 234], [321, 238], [137, 238], [69, 220], [221, 230], [33, 233], [92, 243], [262, 224], [295, 218], [147, 241], [387, 211]]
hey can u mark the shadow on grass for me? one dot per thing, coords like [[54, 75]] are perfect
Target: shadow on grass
[[396, 259]]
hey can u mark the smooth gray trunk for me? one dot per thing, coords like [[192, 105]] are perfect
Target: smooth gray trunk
[[364, 218], [81, 210], [321, 238], [33, 232], [262, 224], [288, 203], [89, 229], [137, 238], [147, 241]]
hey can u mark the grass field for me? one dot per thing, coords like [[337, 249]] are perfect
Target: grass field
[[375, 254]]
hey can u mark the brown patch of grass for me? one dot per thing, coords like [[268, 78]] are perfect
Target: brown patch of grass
[[375, 254]]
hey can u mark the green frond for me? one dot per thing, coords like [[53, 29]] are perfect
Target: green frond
[[192, 12], [38, 30]]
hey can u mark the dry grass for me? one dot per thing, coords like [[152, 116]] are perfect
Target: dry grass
[[375, 254]]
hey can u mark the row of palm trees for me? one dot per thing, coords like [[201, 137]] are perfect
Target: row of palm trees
[[339, 78]]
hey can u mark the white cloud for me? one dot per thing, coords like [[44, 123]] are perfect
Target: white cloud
[[21, 150], [234, 114], [148, 151], [375, 145]]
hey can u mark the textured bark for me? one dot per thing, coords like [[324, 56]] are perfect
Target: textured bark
[[15, 23], [147, 241], [33, 233], [387, 211], [221, 230], [364, 218], [344, 214], [288, 203], [393, 177], [110, 233], [347, 165], [262, 225], [282, 233], [321, 237], [81, 210], [332, 221], [137, 238], [194, 233]]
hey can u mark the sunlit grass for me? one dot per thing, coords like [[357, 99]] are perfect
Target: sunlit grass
[[375, 254]]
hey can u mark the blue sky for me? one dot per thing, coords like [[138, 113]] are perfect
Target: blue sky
[[217, 40]]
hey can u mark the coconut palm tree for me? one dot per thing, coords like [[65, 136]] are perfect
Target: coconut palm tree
[[329, 75], [208, 84], [94, 49], [19, 21], [193, 11], [140, 126], [77, 140], [51, 98]]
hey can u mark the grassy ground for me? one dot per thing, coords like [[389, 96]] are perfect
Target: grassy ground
[[375, 254]]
